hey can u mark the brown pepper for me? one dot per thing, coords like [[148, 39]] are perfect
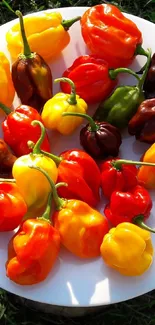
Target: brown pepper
[[149, 84], [7, 160], [142, 124]]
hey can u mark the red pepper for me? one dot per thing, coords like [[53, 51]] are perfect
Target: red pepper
[[81, 173], [12, 206], [132, 206], [17, 129]]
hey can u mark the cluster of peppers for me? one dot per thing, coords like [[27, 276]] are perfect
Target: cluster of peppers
[[91, 79]]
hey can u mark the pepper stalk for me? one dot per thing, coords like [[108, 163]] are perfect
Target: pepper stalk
[[92, 125], [118, 163], [139, 221], [72, 100]]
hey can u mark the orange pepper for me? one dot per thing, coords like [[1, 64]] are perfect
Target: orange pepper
[[7, 92], [146, 174]]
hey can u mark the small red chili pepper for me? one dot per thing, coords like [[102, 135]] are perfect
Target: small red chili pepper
[[133, 206], [18, 130]]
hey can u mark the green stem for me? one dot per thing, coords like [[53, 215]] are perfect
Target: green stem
[[47, 213], [142, 79], [27, 50], [7, 180], [60, 203], [141, 51], [113, 73], [94, 127], [5, 109], [36, 148], [56, 159], [139, 222], [68, 23], [8, 6], [72, 100], [118, 163]]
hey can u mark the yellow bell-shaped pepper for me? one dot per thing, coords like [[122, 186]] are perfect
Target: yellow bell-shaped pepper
[[33, 185], [52, 114], [128, 249], [7, 91], [47, 35]]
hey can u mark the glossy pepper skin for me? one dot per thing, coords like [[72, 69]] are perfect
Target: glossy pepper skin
[[120, 107], [90, 75], [60, 103], [12, 206], [31, 75], [142, 124], [146, 174], [33, 185], [32, 252], [7, 159], [149, 85], [48, 41], [109, 34], [81, 173], [99, 139], [18, 130], [7, 92], [128, 249]]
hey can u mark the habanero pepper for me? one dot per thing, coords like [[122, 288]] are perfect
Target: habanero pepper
[[112, 36], [149, 84], [7, 160], [81, 228], [33, 185], [7, 92], [18, 130], [12, 205], [81, 173], [120, 175], [133, 206], [99, 139], [146, 175], [33, 250], [54, 107], [119, 108], [128, 249], [93, 79]]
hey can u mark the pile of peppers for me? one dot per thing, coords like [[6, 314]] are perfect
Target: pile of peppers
[[48, 200]]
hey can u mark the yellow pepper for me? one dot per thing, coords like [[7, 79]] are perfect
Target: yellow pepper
[[47, 34], [146, 174], [62, 103], [7, 91], [128, 249], [33, 185]]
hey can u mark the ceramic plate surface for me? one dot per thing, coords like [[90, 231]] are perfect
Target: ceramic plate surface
[[75, 282]]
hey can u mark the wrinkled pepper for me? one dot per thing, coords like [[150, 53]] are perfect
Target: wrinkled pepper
[[142, 124], [93, 79], [149, 84], [18, 130], [31, 75], [12, 205], [112, 36], [146, 174], [99, 139], [47, 34], [119, 175], [7, 160], [61, 102], [119, 108], [7, 92], [81, 228], [128, 249], [81, 173], [33, 250], [32, 184], [133, 206]]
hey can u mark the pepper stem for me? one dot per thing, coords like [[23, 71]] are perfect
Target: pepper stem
[[113, 73], [46, 215], [68, 23], [36, 148], [142, 79], [141, 51], [27, 50], [139, 222], [5, 109], [72, 100], [60, 203], [56, 159], [94, 127], [118, 163]]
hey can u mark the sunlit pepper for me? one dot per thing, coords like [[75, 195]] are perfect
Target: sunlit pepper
[[81, 228], [7, 160], [12, 205], [7, 91], [146, 174], [60, 103], [33, 185], [128, 249], [32, 252]]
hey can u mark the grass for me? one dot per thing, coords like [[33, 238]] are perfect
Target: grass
[[139, 311]]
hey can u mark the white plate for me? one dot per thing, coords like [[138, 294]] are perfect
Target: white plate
[[75, 282]]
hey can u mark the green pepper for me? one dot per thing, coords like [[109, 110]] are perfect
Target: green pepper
[[119, 108]]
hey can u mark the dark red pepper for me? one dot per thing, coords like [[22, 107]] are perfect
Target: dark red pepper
[[149, 84]]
